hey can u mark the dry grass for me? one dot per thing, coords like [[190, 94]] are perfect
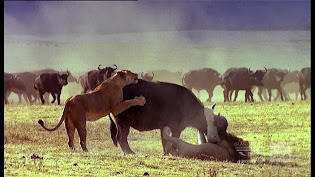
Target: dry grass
[[278, 132]]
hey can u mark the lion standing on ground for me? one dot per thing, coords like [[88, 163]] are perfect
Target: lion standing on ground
[[105, 99]]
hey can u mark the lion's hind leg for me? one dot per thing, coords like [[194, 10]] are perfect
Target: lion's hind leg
[[70, 131]]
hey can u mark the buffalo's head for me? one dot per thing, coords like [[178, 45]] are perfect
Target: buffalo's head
[[259, 74], [212, 131], [63, 78], [146, 76], [279, 75], [105, 73], [110, 71]]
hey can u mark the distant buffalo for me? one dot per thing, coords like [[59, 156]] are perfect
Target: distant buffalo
[[11, 82], [51, 83], [272, 80], [202, 79], [91, 79], [304, 81], [146, 76], [290, 84], [241, 79]]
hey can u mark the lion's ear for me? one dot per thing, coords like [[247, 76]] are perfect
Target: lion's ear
[[121, 74]]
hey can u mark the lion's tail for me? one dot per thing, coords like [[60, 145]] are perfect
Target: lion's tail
[[113, 130], [63, 117]]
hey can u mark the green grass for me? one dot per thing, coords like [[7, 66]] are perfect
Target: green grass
[[278, 132]]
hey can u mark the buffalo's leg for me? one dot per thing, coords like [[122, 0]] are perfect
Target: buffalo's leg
[[20, 98], [230, 93], [269, 93], [251, 96], [246, 96], [280, 92], [70, 131], [224, 95], [210, 93], [58, 98], [54, 97], [260, 90], [123, 131], [236, 95], [42, 98]]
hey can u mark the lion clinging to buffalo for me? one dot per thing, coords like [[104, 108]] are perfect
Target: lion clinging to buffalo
[[105, 99]]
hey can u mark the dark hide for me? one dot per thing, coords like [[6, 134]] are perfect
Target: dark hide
[[203, 79], [241, 79], [304, 81], [166, 104], [11, 82], [272, 80], [93, 78], [51, 83]]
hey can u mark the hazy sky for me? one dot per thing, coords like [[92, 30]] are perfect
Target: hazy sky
[[176, 35], [99, 17]]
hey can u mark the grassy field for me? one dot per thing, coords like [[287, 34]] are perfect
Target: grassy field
[[278, 132]]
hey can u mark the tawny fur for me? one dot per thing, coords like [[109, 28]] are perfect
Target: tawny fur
[[105, 99]]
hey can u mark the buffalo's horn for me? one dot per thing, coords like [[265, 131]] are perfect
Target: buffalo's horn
[[249, 70], [265, 69], [152, 74], [212, 107], [115, 66], [68, 73], [286, 71], [99, 67], [142, 74]]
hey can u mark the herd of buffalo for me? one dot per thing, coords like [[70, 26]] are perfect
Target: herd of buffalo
[[169, 107], [33, 85]]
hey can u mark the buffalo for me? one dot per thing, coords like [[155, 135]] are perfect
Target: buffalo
[[290, 84], [202, 79], [146, 76], [11, 82], [30, 94], [304, 81], [241, 79], [93, 78], [272, 80], [167, 104], [28, 79], [51, 83]]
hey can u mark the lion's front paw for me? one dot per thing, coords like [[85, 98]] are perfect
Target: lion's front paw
[[140, 100]]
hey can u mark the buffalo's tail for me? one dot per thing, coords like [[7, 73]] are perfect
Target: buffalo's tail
[[113, 130]]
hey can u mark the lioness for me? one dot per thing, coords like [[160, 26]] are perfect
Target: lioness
[[105, 99], [230, 147]]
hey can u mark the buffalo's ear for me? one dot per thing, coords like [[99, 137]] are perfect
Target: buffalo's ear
[[212, 107]]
